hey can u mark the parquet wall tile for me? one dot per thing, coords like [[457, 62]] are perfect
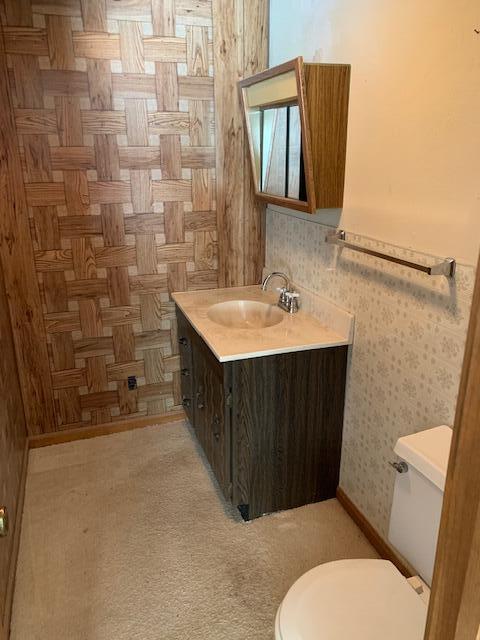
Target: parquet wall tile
[[113, 104]]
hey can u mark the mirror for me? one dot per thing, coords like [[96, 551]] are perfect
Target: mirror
[[277, 141], [273, 175], [276, 121]]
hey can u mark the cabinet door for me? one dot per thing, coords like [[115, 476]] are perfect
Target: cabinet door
[[212, 415], [186, 364], [287, 429]]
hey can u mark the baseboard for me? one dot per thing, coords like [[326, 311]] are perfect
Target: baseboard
[[83, 433], [384, 549], [16, 543]]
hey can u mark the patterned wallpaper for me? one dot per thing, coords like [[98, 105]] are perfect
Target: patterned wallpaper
[[405, 363], [113, 105]]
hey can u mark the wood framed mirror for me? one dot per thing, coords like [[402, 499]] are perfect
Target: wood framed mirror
[[296, 118], [277, 126]]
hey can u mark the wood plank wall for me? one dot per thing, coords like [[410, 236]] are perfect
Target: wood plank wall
[[113, 105], [240, 48], [13, 437], [454, 611], [16, 255]]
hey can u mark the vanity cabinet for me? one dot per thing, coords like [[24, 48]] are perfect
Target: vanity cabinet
[[186, 363], [206, 398], [211, 386], [270, 426]]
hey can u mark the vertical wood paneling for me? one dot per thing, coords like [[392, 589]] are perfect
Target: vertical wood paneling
[[19, 272], [115, 157], [12, 448], [229, 140], [240, 49], [255, 59], [454, 611]]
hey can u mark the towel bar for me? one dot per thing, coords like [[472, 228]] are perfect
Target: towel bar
[[445, 268]]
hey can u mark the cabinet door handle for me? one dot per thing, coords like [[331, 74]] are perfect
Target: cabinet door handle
[[183, 341], [200, 403], [185, 372], [186, 402], [216, 422]]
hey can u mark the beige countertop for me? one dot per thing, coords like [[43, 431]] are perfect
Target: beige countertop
[[296, 332]]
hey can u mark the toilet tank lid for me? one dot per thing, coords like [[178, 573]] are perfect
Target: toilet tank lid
[[427, 451]]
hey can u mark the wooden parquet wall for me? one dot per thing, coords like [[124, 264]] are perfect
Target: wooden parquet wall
[[113, 104]]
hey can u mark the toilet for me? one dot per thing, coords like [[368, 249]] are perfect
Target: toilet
[[371, 599]]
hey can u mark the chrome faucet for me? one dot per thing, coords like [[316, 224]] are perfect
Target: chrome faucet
[[267, 279], [288, 300]]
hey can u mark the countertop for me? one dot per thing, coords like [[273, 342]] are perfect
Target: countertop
[[296, 332]]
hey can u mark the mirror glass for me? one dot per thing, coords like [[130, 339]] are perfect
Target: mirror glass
[[276, 137], [273, 151]]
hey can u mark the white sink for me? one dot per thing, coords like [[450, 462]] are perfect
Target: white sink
[[245, 314]]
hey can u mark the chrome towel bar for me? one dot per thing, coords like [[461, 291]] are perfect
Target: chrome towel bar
[[445, 268]]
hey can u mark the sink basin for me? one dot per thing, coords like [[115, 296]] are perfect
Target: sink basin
[[245, 314]]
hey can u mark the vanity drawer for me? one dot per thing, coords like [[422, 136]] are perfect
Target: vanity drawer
[[206, 391], [186, 363]]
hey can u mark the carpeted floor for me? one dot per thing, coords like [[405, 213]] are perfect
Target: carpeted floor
[[126, 538]]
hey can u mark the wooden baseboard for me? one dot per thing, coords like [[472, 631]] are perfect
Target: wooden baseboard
[[385, 550], [83, 433], [17, 526]]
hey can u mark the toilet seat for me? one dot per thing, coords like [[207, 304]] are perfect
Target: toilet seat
[[361, 599]]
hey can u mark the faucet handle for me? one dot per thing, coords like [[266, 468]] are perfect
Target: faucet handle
[[291, 298], [291, 295]]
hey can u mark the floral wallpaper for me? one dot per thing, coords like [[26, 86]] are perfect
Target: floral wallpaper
[[406, 358]]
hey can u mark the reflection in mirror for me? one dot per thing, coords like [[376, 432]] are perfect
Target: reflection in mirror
[[255, 118], [274, 151], [275, 115], [277, 150], [275, 136], [296, 178]]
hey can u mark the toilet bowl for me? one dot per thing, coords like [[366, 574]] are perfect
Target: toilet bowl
[[371, 599], [361, 599]]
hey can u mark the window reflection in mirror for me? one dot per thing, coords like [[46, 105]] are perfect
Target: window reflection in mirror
[[274, 151], [296, 187], [255, 117], [277, 148]]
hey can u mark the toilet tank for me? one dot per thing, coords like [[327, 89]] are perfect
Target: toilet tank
[[418, 497]]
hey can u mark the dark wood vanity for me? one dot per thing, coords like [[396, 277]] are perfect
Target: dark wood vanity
[[270, 426]]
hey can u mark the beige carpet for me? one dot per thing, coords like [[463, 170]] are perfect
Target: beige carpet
[[125, 537]]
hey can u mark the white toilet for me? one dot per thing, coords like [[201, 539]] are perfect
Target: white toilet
[[371, 599]]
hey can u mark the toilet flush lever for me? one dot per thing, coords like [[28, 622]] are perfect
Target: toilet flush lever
[[400, 467]]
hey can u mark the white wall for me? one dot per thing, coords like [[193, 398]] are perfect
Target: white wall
[[413, 170]]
